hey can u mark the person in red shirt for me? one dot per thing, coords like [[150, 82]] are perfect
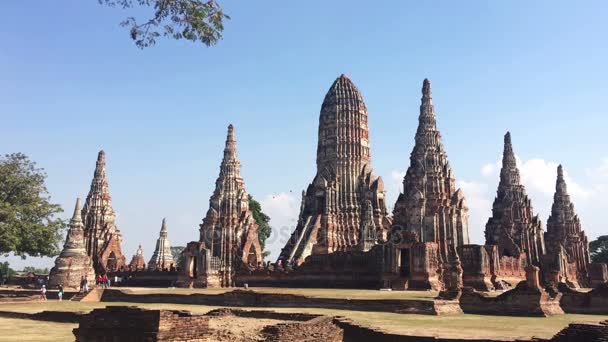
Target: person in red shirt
[[104, 280]]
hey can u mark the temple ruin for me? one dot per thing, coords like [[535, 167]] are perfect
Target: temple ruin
[[335, 213], [138, 263], [228, 235], [102, 237], [73, 264], [513, 226], [431, 208], [162, 259], [566, 237]]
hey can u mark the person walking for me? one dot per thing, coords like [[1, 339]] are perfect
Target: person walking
[[84, 285], [104, 280], [43, 293], [60, 292], [98, 280]]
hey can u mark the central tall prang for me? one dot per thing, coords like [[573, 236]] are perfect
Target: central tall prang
[[333, 206], [430, 206]]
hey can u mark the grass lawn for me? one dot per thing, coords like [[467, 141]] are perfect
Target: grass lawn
[[309, 292], [465, 326]]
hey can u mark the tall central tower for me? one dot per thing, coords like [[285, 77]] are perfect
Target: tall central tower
[[331, 213], [431, 206]]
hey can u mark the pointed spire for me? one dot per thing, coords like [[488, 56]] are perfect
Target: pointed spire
[[508, 157], [509, 174], [162, 257], [426, 88], [560, 184], [163, 228], [230, 150], [139, 251], [74, 241], [101, 157], [427, 119], [76, 217]]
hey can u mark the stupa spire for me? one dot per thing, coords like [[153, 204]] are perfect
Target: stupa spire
[[76, 217], [162, 259], [564, 229], [103, 239], [513, 226], [429, 187], [73, 263], [230, 150], [229, 231], [163, 228]]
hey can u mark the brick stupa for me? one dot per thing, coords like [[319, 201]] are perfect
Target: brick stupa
[[138, 263], [73, 263]]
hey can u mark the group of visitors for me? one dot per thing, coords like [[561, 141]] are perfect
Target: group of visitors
[[103, 281]]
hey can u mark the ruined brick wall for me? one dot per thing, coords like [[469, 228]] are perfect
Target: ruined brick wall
[[353, 269], [520, 301], [598, 274], [512, 267], [240, 298], [477, 272], [583, 332], [592, 302], [121, 323], [321, 329]]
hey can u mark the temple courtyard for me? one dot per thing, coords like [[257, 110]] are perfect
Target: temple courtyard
[[14, 325]]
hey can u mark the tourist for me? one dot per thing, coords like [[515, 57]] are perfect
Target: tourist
[[43, 293], [104, 280], [98, 280], [83, 285], [60, 292], [115, 280]]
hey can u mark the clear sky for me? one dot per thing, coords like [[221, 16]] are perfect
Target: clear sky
[[72, 83]]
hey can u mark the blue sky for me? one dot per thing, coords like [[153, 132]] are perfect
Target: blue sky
[[72, 83]]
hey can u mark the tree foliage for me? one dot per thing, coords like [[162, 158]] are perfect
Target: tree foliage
[[262, 220], [176, 252], [35, 270], [27, 219], [6, 272], [194, 20], [599, 249]]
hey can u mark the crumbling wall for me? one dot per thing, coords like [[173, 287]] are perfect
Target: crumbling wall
[[320, 329], [122, 323]]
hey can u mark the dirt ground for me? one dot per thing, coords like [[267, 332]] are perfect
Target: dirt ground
[[238, 329]]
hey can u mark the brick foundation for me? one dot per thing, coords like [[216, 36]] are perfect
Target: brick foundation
[[121, 323]]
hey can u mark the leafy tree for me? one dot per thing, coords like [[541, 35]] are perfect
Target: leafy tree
[[6, 272], [176, 252], [599, 249], [27, 222], [194, 20], [262, 220], [35, 270]]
